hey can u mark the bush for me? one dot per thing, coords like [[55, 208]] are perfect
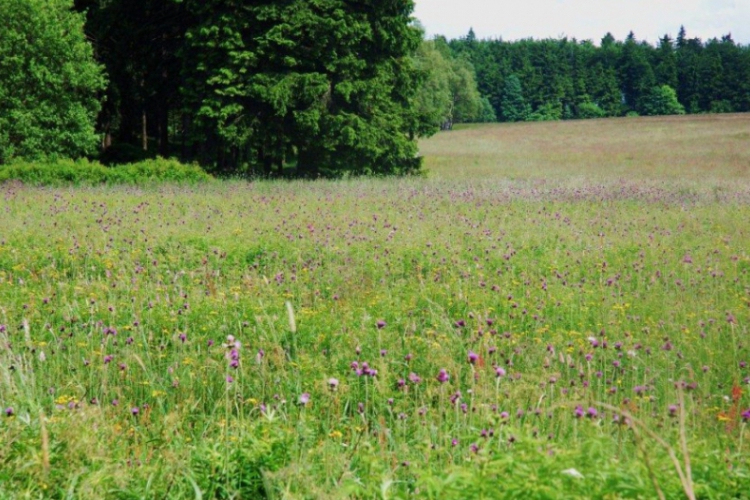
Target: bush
[[547, 112], [661, 101], [84, 172], [590, 110]]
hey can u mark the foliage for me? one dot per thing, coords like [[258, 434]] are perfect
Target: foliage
[[48, 82], [325, 85], [661, 101], [615, 76], [590, 110], [486, 112], [448, 94], [83, 172], [547, 112], [514, 107]]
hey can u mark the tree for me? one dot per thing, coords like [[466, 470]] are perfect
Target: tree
[[448, 93], [49, 82], [327, 85], [139, 43], [514, 107], [466, 103], [666, 63], [636, 74], [432, 103]]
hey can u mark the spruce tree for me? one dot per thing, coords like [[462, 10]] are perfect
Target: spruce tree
[[327, 85], [514, 107]]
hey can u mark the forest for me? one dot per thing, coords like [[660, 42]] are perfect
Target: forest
[[318, 88], [567, 78]]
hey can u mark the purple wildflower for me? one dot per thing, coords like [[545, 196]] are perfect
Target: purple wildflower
[[304, 398], [473, 357], [443, 376]]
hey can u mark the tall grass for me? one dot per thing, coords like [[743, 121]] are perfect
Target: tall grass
[[286, 339]]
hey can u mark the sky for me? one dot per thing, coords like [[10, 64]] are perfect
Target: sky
[[585, 19]]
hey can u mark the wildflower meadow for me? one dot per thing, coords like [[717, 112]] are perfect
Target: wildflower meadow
[[519, 323]]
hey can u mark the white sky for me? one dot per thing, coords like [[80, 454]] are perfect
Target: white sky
[[585, 19]]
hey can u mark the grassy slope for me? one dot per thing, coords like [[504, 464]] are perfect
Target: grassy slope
[[524, 244]]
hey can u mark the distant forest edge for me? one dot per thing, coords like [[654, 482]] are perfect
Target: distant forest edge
[[313, 88], [568, 79]]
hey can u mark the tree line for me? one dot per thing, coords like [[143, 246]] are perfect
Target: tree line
[[316, 87], [565, 78], [324, 87]]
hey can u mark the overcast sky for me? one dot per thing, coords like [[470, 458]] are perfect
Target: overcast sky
[[585, 19]]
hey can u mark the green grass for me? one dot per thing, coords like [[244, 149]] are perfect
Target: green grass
[[524, 273]]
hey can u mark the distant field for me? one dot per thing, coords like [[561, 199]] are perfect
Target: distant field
[[558, 310], [695, 147]]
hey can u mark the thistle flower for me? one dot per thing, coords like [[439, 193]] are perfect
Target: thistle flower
[[333, 383], [473, 357], [443, 376], [9, 412], [304, 398]]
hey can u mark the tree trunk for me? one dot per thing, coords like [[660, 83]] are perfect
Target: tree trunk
[[144, 131]]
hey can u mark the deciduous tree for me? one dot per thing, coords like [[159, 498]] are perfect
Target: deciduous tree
[[49, 82]]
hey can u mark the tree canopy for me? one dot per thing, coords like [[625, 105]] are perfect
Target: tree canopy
[[568, 78]]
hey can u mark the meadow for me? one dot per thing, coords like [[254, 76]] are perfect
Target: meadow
[[557, 310]]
